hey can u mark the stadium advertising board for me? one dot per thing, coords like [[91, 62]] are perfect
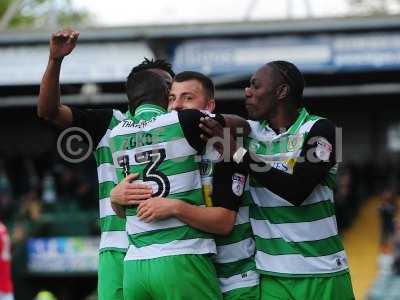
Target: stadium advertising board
[[90, 62], [63, 254], [318, 53]]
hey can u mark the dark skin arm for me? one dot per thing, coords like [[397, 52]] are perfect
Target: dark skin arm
[[306, 174], [49, 106], [237, 124]]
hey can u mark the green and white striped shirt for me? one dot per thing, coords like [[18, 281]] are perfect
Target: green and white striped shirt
[[113, 234], [234, 261], [293, 241], [155, 146]]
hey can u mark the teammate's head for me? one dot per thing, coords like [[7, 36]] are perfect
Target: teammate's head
[[277, 83], [146, 87], [159, 66], [192, 90]]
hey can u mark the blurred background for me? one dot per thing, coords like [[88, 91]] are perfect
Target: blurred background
[[348, 51]]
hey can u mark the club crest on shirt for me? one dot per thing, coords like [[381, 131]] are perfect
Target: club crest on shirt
[[295, 142], [238, 182]]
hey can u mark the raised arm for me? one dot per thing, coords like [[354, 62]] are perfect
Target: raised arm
[[49, 107]]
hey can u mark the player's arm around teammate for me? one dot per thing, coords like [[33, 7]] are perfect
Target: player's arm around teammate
[[292, 166], [190, 90], [235, 260]]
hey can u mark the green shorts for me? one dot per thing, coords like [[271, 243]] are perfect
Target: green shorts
[[180, 277], [110, 275], [311, 288], [246, 293]]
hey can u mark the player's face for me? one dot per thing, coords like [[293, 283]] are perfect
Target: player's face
[[260, 95], [189, 95], [164, 74]]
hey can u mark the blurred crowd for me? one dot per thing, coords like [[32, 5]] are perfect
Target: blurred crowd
[[30, 187], [44, 198]]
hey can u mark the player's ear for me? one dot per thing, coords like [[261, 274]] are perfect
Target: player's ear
[[283, 91], [210, 105]]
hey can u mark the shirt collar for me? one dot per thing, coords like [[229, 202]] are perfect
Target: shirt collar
[[147, 111], [302, 116]]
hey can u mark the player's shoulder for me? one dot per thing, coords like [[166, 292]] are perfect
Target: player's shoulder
[[119, 115], [321, 125], [254, 125], [259, 132], [160, 121], [116, 116], [169, 117], [192, 113], [129, 126], [191, 117]]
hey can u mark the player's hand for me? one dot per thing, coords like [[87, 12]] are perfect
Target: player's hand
[[128, 192], [213, 129], [62, 43], [156, 209]]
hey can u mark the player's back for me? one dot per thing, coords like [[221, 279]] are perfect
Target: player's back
[[158, 149]]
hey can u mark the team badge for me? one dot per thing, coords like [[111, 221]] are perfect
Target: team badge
[[295, 142], [324, 149], [238, 182]]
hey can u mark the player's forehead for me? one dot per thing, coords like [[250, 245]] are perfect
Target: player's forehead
[[190, 86], [265, 72]]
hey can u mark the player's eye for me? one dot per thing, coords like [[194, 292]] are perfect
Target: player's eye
[[253, 84]]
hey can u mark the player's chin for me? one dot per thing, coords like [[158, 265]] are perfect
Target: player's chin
[[251, 112]]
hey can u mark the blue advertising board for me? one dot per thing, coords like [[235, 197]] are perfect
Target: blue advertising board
[[63, 254], [318, 53]]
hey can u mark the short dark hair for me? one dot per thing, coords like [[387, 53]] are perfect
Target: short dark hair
[[205, 81], [146, 87], [147, 64], [291, 75]]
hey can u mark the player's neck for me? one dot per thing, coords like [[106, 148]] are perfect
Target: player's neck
[[283, 118]]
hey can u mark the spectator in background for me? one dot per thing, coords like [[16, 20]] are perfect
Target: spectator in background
[[387, 212], [72, 186], [29, 216], [5, 193], [6, 286], [29, 222]]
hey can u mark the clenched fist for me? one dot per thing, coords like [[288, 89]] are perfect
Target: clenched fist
[[62, 43]]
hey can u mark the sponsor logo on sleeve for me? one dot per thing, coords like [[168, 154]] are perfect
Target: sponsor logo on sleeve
[[238, 182], [323, 150]]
